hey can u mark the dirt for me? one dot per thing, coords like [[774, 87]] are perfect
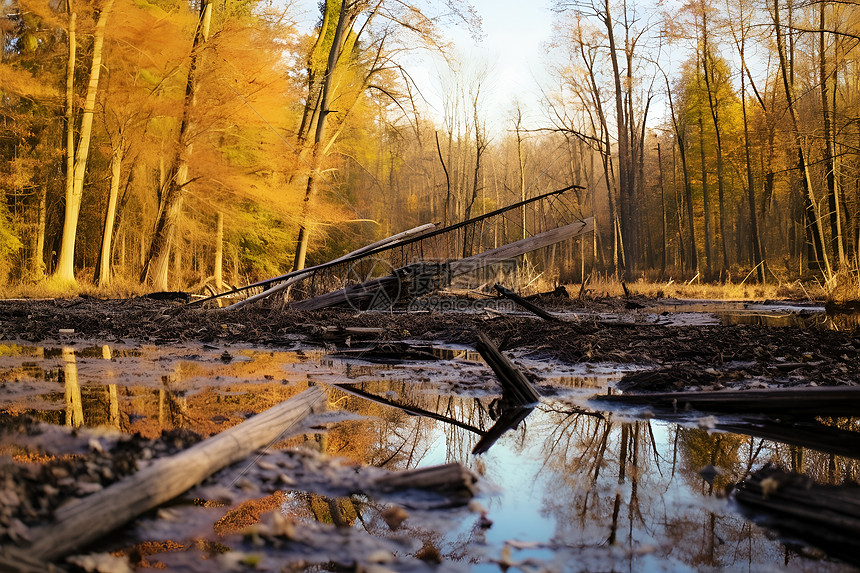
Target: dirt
[[598, 330], [711, 356]]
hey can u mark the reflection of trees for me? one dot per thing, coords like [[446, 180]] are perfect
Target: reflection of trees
[[74, 403]]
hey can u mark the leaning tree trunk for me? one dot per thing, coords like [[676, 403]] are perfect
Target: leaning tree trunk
[[155, 267], [325, 94], [66, 261], [758, 259]]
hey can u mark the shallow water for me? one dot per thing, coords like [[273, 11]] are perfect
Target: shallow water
[[571, 488]]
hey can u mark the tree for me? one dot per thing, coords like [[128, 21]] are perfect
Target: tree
[[66, 263], [155, 268]]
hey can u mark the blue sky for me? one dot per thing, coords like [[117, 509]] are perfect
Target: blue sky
[[515, 33]]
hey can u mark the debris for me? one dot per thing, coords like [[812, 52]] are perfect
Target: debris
[[825, 516], [81, 522], [511, 295], [803, 401], [514, 384], [295, 276], [382, 288], [394, 516], [453, 480]]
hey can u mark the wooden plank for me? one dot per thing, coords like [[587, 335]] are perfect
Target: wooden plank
[[815, 401], [469, 264], [80, 523], [521, 247]]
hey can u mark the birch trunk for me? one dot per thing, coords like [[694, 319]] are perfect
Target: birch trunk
[[103, 270], [66, 261]]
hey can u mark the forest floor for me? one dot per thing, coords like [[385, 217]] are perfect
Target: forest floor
[[688, 344], [661, 344]]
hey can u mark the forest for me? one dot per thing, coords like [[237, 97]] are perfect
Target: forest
[[166, 145]]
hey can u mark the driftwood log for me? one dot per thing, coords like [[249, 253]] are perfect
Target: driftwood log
[[515, 386], [80, 523], [529, 306], [454, 481]]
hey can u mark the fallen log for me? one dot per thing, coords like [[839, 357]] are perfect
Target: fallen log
[[411, 410], [826, 516], [511, 295], [83, 521], [453, 480], [515, 387], [801, 402], [368, 290]]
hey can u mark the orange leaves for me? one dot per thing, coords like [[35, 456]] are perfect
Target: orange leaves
[[23, 84]]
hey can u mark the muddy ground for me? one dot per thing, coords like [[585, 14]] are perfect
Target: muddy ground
[[669, 355], [597, 330]]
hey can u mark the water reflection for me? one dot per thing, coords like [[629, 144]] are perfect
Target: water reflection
[[576, 489]]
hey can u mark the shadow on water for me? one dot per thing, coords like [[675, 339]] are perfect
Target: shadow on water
[[569, 488]]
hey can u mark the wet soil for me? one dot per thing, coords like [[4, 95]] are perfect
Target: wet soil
[[628, 335], [616, 331]]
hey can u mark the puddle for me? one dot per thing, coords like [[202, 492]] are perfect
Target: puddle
[[567, 488]]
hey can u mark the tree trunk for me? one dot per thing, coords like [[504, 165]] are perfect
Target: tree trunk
[[624, 160], [706, 200], [755, 240], [344, 21], [219, 251], [715, 116], [155, 267], [66, 262], [811, 210], [103, 270], [837, 245], [662, 211], [688, 191], [39, 249]]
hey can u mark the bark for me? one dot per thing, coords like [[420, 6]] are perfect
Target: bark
[[837, 246], [103, 270], [155, 267], [811, 210], [219, 251], [66, 261], [344, 22]]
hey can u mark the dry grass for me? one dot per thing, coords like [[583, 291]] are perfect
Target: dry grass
[[53, 288], [797, 290]]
